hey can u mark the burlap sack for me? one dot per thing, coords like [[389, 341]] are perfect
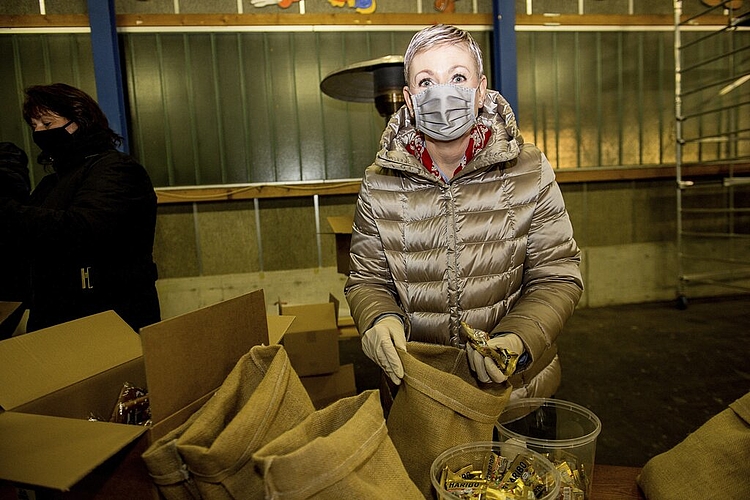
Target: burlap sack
[[166, 468], [711, 463], [440, 404], [341, 451], [261, 398]]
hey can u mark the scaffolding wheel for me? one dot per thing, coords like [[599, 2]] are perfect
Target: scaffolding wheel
[[682, 302]]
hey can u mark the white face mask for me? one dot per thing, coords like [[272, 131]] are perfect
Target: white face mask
[[444, 112]]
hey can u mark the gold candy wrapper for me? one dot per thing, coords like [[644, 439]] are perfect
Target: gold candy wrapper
[[522, 478], [505, 360], [495, 467], [501, 479], [573, 477], [470, 490]]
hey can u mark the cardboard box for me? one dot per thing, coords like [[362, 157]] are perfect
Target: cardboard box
[[347, 328], [12, 319], [188, 357], [325, 389], [7, 308], [312, 339], [54, 378], [342, 229]]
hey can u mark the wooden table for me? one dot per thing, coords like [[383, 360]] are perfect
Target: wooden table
[[613, 482]]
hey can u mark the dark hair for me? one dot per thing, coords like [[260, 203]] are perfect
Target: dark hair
[[71, 103]]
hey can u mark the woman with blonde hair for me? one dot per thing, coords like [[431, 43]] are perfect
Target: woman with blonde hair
[[460, 220]]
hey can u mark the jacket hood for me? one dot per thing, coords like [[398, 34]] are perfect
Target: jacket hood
[[496, 113]]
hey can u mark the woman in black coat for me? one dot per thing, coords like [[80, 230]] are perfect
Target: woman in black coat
[[88, 227]]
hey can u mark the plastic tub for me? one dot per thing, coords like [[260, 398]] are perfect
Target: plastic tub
[[562, 431], [474, 456]]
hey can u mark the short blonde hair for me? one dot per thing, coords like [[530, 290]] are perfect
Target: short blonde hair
[[440, 34]]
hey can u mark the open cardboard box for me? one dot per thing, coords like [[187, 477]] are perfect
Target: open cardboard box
[[325, 389], [342, 229], [312, 339], [54, 378], [7, 308], [312, 344], [11, 318]]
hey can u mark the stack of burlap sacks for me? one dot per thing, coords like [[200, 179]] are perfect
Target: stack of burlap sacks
[[259, 436]]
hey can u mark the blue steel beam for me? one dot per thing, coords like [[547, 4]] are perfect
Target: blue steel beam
[[505, 68], [109, 88]]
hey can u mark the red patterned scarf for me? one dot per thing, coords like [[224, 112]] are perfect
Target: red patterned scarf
[[478, 138]]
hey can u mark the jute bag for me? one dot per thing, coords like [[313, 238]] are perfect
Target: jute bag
[[711, 463], [440, 404], [340, 451], [166, 468], [261, 398]]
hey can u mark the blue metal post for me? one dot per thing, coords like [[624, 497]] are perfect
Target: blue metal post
[[505, 68], [109, 88]]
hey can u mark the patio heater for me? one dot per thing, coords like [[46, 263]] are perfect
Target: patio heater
[[380, 80]]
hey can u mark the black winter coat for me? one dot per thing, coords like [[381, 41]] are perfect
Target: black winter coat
[[88, 230], [14, 268]]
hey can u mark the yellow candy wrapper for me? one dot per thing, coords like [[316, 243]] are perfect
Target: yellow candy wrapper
[[505, 360]]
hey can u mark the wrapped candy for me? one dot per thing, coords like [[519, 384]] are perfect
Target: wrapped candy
[[500, 479], [573, 477], [132, 406], [505, 360]]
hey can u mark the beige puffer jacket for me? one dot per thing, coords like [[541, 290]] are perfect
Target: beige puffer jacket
[[493, 247]]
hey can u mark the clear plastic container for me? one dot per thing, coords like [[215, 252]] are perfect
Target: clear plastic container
[[475, 455], [562, 431]]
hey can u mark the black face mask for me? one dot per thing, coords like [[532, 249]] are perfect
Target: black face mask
[[54, 141]]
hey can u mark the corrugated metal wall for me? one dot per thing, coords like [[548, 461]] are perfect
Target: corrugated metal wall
[[236, 107], [597, 98], [215, 108]]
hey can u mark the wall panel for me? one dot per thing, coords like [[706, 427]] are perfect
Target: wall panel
[[222, 107], [146, 91]]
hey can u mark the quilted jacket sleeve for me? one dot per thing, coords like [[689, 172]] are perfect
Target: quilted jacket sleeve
[[369, 289], [552, 283]]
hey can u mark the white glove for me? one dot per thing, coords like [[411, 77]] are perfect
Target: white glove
[[380, 342], [484, 366]]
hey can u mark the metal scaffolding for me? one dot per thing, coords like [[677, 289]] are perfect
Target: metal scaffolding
[[712, 128]]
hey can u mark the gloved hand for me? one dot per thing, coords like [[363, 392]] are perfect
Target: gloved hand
[[485, 367], [380, 342]]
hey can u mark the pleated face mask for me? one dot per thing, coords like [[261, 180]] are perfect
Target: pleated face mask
[[445, 112]]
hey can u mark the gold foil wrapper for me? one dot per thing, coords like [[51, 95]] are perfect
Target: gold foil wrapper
[[522, 478], [505, 360], [500, 479], [494, 467], [573, 477]]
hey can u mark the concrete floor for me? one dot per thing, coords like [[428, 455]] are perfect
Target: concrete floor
[[651, 372]]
